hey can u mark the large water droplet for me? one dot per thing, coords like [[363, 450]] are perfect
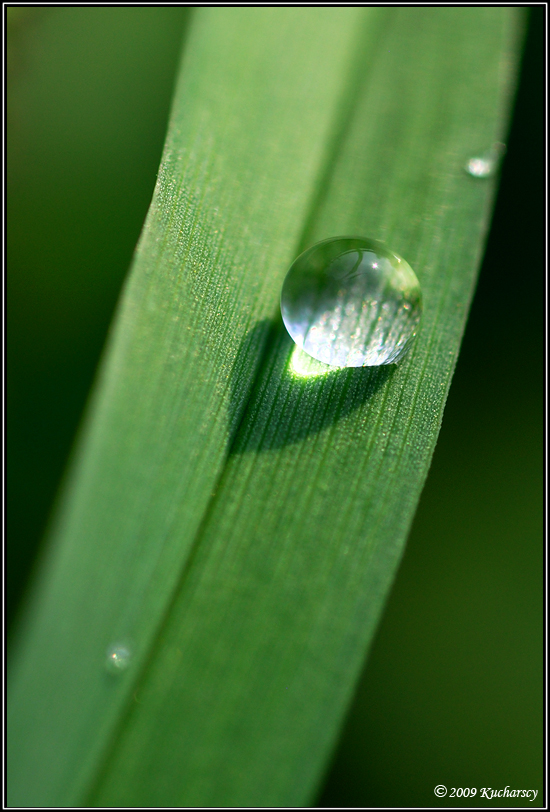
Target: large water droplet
[[351, 302], [118, 658]]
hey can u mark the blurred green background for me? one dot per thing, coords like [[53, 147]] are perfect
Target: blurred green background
[[452, 692]]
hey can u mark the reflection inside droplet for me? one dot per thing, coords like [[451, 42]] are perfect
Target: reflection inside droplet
[[350, 302], [118, 658]]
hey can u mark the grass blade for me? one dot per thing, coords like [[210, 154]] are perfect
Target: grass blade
[[249, 587], [232, 194]]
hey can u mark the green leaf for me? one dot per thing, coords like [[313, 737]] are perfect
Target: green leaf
[[237, 526]]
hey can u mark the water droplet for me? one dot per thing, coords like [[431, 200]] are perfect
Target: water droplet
[[485, 165], [351, 302], [118, 658]]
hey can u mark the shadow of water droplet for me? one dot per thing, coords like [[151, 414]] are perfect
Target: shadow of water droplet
[[292, 399]]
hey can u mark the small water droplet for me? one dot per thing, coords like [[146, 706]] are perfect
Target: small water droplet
[[118, 658], [351, 302], [485, 165]]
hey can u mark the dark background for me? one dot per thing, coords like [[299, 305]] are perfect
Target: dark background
[[452, 692]]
